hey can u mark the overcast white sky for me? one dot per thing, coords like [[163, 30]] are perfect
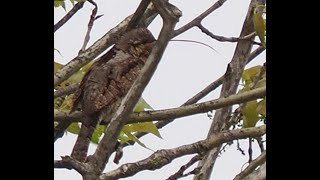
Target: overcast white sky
[[185, 69]]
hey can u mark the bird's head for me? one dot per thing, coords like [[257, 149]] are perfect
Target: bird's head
[[138, 42]]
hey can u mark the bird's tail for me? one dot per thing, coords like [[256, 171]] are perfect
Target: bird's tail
[[81, 146]]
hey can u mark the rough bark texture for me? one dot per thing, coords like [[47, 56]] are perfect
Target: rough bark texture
[[230, 85], [108, 81]]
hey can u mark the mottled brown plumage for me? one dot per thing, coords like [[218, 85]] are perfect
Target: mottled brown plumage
[[108, 81]]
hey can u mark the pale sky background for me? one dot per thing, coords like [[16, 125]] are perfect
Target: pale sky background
[[185, 69]]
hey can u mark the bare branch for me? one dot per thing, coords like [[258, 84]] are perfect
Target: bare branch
[[76, 165], [138, 14], [192, 109], [252, 166], [198, 19], [67, 17], [66, 90], [179, 174], [108, 142], [259, 174], [225, 39], [260, 143], [230, 85], [163, 157], [59, 164], [146, 116], [90, 24]]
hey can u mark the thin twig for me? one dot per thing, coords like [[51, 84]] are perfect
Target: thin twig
[[222, 38], [239, 148], [260, 143], [90, 25], [252, 166], [250, 150], [194, 171], [198, 19], [66, 18], [179, 174]]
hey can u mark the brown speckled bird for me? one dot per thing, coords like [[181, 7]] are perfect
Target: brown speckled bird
[[107, 82]]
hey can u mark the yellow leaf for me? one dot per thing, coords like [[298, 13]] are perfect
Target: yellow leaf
[[259, 24], [261, 108], [141, 106], [134, 138], [142, 127], [56, 67], [250, 115], [67, 103], [249, 74]]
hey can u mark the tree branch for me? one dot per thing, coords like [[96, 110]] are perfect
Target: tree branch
[[138, 14], [179, 174], [163, 157], [259, 174], [67, 17], [198, 19], [230, 85], [65, 90], [158, 115], [90, 24], [225, 39], [252, 166]]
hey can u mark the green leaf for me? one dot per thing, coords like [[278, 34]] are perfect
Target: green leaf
[[135, 139], [250, 115], [58, 3], [67, 103], [148, 127], [97, 133], [259, 23], [261, 108], [74, 128], [261, 83], [123, 137], [72, 2], [249, 74], [141, 106], [77, 77]]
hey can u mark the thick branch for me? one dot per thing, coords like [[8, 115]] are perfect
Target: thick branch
[[108, 142], [259, 174], [230, 85], [252, 166], [66, 18], [163, 157], [66, 90], [198, 108], [138, 14], [146, 116]]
